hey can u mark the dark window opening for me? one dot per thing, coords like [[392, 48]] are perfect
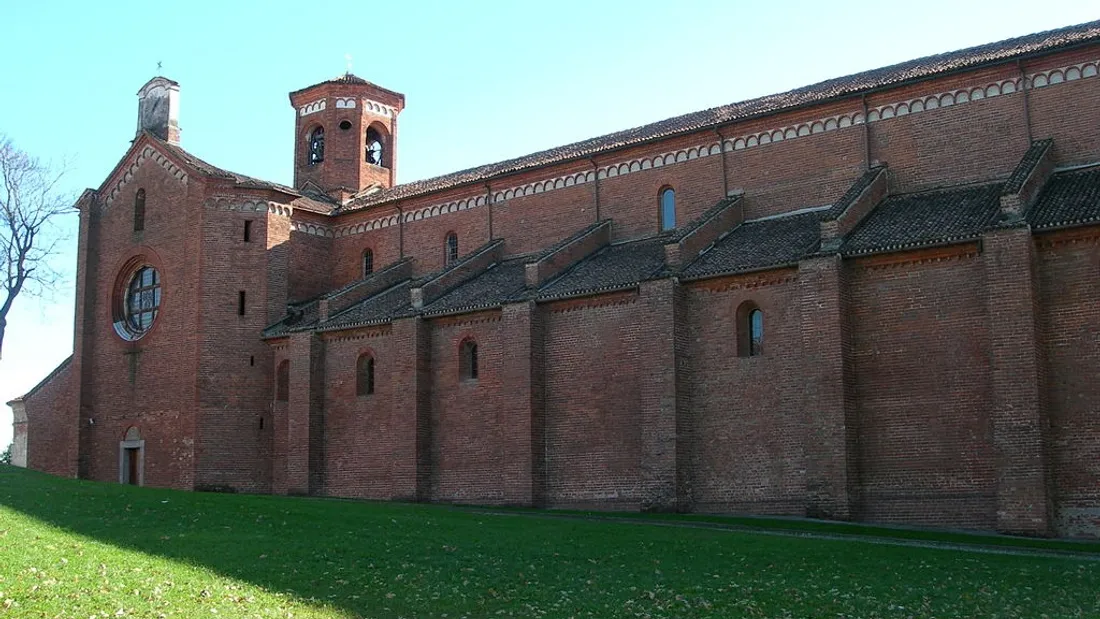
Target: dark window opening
[[668, 209], [282, 381], [261, 423], [375, 148], [468, 360], [345, 125], [247, 231], [240, 303], [750, 330], [452, 249], [139, 211], [364, 375], [252, 360], [317, 146], [368, 262], [142, 301]]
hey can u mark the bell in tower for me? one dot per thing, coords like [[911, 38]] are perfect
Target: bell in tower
[[345, 136]]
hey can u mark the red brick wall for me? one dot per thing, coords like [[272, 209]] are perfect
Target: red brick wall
[[359, 428], [747, 437], [232, 449], [347, 253], [814, 170], [52, 426], [424, 238], [309, 266], [532, 223], [963, 143], [466, 425], [1066, 113], [595, 355], [1070, 319], [920, 348]]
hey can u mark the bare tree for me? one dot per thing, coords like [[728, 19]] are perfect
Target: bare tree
[[29, 199]]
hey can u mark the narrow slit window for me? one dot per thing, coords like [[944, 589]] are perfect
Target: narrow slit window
[[451, 249], [468, 360], [240, 303], [750, 330], [756, 333], [364, 375], [282, 381], [368, 262], [139, 211], [668, 209], [247, 231]]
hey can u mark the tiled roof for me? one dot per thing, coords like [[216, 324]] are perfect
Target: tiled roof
[[759, 244], [1069, 198], [380, 308], [347, 78], [501, 283], [850, 196], [312, 202], [1027, 164], [614, 267], [921, 219], [816, 93]]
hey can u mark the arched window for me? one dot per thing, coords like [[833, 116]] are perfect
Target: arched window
[[375, 147], [139, 211], [368, 262], [452, 248], [467, 362], [317, 146], [750, 330], [282, 381], [364, 375], [668, 208]]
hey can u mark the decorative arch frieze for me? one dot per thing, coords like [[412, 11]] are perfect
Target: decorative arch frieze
[[248, 205], [880, 113], [147, 154]]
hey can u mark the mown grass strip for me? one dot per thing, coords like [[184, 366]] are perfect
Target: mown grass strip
[[71, 548]]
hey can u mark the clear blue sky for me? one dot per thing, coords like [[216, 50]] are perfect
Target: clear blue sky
[[483, 81]]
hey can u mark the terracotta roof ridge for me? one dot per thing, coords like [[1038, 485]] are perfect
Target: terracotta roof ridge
[[820, 92]]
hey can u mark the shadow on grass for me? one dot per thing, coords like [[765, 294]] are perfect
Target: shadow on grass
[[386, 559]]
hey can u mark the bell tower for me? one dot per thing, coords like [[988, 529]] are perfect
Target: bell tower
[[345, 136]]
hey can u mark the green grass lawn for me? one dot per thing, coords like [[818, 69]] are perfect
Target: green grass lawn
[[81, 549]]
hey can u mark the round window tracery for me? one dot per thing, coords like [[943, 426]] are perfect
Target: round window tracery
[[140, 303]]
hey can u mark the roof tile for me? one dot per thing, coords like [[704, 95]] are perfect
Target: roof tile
[[1071, 197]]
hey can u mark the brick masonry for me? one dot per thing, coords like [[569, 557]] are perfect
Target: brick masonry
[[951, 386]]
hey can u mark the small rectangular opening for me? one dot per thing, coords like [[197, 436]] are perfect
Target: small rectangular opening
[[247, 231], [240, 303]]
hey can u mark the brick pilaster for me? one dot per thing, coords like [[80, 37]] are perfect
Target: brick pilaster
[[522, 408], [1019, 417], [658, 414], [304, 433], [831, 432], [410, 417]]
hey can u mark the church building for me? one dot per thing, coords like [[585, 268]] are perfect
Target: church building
[[876, 298]]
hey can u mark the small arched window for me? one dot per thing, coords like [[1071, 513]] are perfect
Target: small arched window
[[375, 147], [368, 262], [668, 208], [282, 381], [317, 146], [364, 375], [451, 249], [750, 330], [139, 210], [467, 362]]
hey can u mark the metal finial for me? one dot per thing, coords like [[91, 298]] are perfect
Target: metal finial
[[347, 57], [159, 65]]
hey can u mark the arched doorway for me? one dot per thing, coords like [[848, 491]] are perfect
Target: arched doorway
[[131, 458]]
